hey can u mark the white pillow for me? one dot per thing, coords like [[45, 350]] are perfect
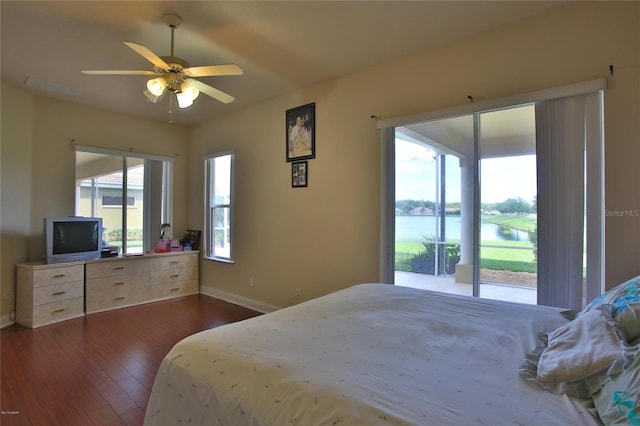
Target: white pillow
[[579, 356]]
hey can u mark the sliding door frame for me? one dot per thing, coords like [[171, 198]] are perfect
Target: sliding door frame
[[595, 136]]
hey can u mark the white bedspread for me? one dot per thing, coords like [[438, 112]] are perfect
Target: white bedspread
[[368, 355]]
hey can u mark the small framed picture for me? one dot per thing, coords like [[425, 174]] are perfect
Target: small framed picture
[[301, 134], [192, 236], [299, 174]]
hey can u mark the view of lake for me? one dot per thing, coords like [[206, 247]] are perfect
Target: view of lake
[[416, 227]]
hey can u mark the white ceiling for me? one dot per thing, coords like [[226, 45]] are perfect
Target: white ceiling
[[282, 46]]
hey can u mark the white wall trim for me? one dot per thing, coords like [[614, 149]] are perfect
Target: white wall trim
[[119, 153], [6, 320], [256, 305]]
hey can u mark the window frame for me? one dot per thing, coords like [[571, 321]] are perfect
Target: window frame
[[209, 251], [164, 188]]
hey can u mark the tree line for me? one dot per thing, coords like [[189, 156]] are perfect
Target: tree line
[[508, 206]]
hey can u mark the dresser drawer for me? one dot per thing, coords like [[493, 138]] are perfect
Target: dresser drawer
[[55, 275], [106, 302], [58, 292], [158, 276], [112, 292], [173, 289], [116, 268], [58, 311], [174, 261]]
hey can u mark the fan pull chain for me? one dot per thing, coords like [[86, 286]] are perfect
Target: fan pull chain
[[170, 109]]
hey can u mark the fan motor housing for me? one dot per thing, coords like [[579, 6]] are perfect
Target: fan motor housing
[[175, 64]]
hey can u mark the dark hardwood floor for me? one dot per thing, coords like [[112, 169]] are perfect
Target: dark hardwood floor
[[98, 370]]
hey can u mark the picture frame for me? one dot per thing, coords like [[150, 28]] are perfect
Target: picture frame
[[192, 236], [299, 174], [301, 133]]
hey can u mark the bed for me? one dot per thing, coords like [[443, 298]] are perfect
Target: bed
[[367, 355]]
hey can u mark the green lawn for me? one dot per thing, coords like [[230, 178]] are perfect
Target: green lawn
[[520, 222], [518, 257], [514, 256]]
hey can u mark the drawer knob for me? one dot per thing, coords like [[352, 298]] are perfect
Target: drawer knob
[[174, 262], [58, 293], [174, 276], [118, 268], [175, 289], [119, 298], [57, 311], [119, 283], [59, 275]]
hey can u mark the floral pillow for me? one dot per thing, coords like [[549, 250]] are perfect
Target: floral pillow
[[622, 303], [618, 402]]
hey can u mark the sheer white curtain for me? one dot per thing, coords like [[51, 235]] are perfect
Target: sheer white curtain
[[156, 198], [569, 149], [387, 205]]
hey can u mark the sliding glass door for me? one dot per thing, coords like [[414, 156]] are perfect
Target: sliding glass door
[[436, 216], [504, 202], [432, 239], [508, 211]]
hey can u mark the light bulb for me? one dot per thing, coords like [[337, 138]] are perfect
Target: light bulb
[[187, 95], [157, 86], [191, 91], [184, 100]]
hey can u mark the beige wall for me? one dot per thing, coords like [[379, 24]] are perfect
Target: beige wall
[[326, 236], [38, 167], [16, 132]]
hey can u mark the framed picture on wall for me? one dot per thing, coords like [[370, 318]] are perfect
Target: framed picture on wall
[[301, 134], [192, 236], [299, 174]]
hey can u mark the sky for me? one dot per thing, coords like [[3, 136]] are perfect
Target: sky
[[500, 178]]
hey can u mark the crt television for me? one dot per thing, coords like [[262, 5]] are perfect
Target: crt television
[[72, 238]]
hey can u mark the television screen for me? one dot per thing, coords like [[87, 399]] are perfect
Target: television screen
[[75, 236], [72, 238]]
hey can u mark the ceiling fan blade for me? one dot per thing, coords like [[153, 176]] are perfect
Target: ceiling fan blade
[[210, 91], [213, 70], [148, 55], [120, 72]]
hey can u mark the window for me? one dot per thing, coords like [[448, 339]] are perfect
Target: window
[[218, 226], [111, 200], [130, 192]]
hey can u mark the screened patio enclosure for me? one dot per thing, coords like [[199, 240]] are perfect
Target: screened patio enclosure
[[434, 220]]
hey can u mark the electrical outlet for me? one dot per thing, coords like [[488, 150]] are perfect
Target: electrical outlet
[[298, 293], [251, 284]]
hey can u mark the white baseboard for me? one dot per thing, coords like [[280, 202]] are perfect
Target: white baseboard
[[7, 319], [256, 305]]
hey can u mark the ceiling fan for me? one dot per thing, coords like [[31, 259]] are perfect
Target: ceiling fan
[[174, 75]]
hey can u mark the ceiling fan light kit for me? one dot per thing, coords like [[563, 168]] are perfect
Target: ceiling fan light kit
[[157, 86], [174, 75]]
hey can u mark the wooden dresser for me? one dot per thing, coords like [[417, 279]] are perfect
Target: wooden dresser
[[49, 293], [172, 276], [52, 293], [115, 283]]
